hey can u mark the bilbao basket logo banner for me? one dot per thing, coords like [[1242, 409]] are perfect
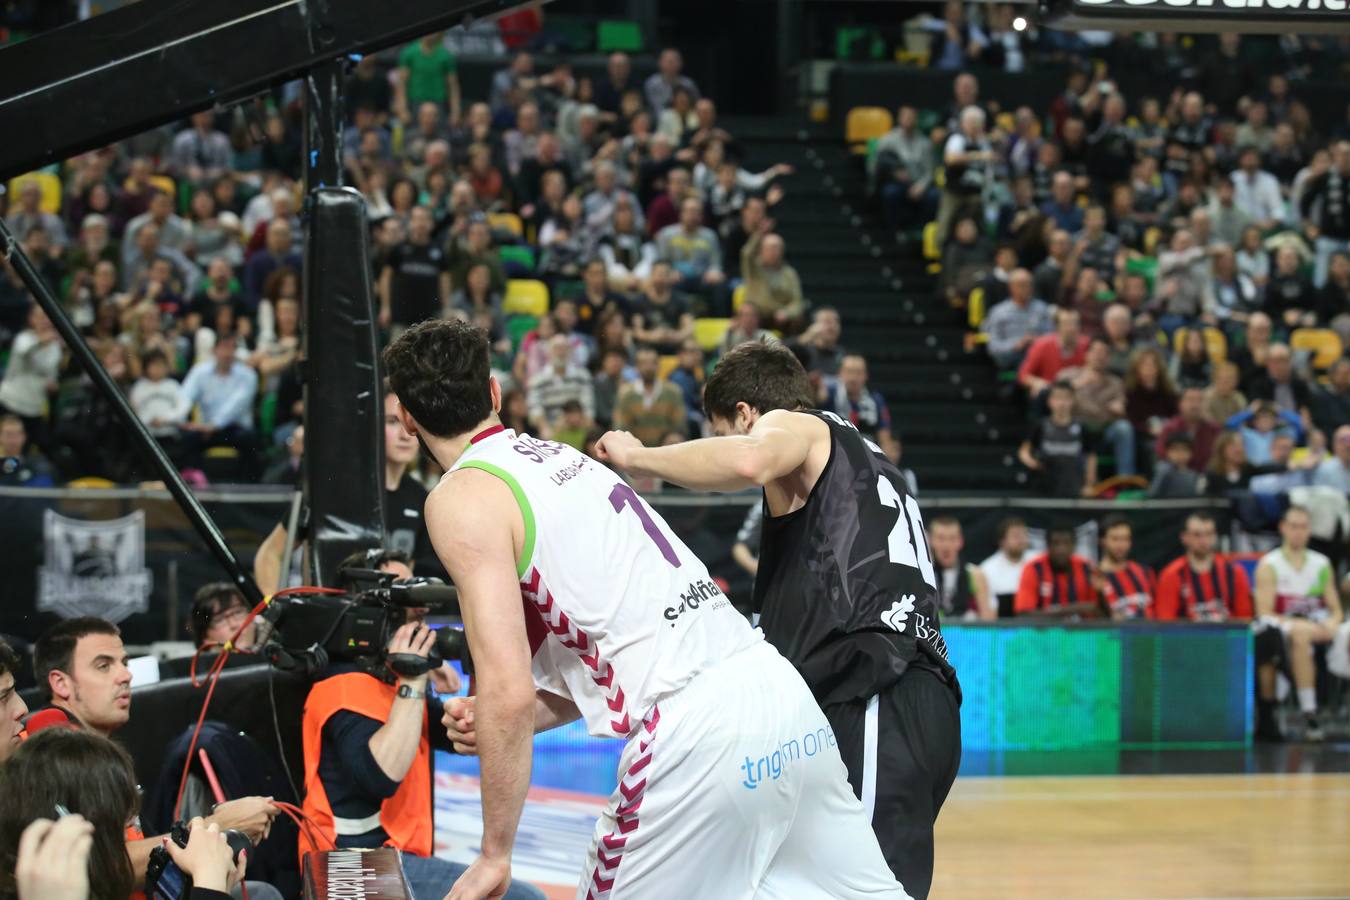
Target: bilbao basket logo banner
[[93, 568]]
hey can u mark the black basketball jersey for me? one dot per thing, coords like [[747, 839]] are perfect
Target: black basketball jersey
[[846, 588]]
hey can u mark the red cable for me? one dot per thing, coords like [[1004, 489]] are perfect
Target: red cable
[[213, 676]]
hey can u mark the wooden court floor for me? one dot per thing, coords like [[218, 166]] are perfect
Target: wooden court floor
[[1136, 837]]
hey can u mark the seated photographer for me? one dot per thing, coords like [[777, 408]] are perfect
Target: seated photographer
[[368, 764], [88, 782], [81, 669]]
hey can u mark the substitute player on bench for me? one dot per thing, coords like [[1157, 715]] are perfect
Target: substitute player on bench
[[730, 783], [1296, 598], [846, 587]]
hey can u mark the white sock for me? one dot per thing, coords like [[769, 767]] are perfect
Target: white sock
[[1307, 699]]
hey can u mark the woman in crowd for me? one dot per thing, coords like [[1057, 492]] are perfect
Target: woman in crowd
[[213, 237], [1150, 398], [515, 411], [402, 199], [564, 242], [90, 290], [627, 254], [1229, 470], [612, 333], [1192, 366], [484, 177], [1223, 400], [62, 771], [477, 301], [281, 348], [283, 284]]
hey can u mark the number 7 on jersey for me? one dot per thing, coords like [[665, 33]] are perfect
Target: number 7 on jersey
[[622, 496]]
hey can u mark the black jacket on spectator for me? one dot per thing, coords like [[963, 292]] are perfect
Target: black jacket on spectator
[[1326, 201], [1047, 281], [1333, 300], [1286, 165], [1110, 156], [1263, 388], [1286, 292], [1330, 409]]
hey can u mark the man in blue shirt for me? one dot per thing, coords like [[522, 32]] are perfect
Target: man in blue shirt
[[1063, 207], [222, 390]]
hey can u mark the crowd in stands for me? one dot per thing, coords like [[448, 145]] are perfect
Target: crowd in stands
[[608, 232], [1163, 279]]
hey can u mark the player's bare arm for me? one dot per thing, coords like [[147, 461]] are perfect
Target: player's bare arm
[[1263, 602], [550, 711], [986, 607], [476, 529], [1335, 613], [778, 445]]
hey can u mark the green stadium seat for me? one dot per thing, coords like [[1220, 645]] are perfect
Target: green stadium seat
[[617, 34]]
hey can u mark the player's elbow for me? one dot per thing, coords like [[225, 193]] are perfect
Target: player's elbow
[[756, 465]]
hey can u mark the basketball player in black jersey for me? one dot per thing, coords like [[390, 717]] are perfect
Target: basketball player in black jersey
[[846, 588]]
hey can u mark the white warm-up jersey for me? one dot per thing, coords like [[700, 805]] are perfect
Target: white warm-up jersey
[[619, 610], [1299, 592]]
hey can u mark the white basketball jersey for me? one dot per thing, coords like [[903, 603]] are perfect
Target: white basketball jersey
[[1299, 592], [619, 610]]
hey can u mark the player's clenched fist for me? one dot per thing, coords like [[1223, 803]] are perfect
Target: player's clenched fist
[[617, 447], [459, 727]]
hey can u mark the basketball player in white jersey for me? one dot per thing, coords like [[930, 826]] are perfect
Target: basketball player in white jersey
[[579, 601], [1295, 598]]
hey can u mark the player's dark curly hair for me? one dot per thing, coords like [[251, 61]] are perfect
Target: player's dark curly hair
[[439, 370], [764, 376]]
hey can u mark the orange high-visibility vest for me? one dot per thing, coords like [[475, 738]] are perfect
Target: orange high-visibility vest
[[405, 816]]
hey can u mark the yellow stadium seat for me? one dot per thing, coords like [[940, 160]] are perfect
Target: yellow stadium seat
[[525, 297], [864, 123], [666, 366], [91, 482], [1215, 343], [931, 251], [709, 332], [47, 182], [1324, 343], [507, 221], [737, 297], [975, 307]]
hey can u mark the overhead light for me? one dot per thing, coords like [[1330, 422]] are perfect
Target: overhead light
[[1019, 24]]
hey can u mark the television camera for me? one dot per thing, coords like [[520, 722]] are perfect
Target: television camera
[[309, 631]]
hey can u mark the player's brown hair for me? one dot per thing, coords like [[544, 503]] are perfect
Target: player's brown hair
[[764, 376], [439, 369]]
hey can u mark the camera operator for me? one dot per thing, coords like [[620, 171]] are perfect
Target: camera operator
[[12, 707], [83, 854], [368, 764], [81, 668]]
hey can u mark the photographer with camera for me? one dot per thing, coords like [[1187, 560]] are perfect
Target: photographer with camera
[[81, 667], [367, 748], [88, 784]]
